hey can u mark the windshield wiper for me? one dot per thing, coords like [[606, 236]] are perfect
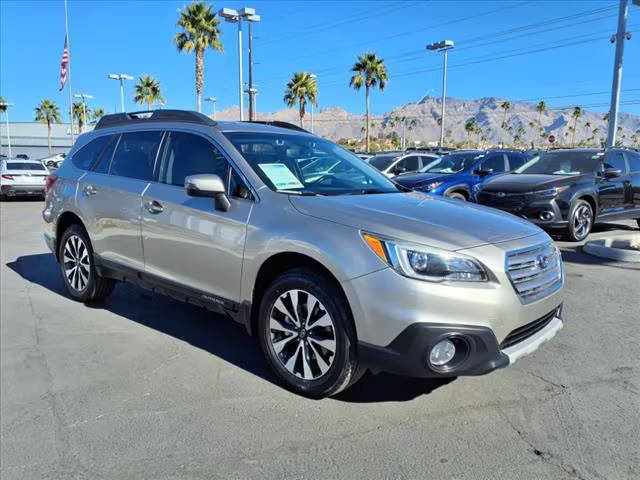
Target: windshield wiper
[[302, 193], [369, 191]]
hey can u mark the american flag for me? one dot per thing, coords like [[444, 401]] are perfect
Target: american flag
[[63, 64]]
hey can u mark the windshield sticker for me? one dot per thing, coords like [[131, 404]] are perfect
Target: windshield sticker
[[280, 176]]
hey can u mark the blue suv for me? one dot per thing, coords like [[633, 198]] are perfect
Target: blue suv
[[455, 175]]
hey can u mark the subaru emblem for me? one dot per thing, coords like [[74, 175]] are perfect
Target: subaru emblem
[[542, 261]]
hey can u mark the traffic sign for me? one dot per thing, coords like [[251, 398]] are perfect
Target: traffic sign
[[552, 139]]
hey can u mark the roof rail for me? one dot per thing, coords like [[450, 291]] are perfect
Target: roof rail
[[278, 123], [118, 119]]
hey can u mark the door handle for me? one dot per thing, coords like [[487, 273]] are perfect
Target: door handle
[[90, 190], [154, 207]]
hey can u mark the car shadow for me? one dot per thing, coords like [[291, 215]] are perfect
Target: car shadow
[[210, 332], [578, 256]]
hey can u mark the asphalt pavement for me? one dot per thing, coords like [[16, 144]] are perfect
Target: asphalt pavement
[[144, 387]]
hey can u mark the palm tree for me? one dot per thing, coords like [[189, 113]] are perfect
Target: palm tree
[[147, 91], [3, 105], [576, 114], [48, 112], [506, 106], [199, 32], [301, 88], [470, 127], [369, 71], [78, 112], [541, 107], [97, 114]]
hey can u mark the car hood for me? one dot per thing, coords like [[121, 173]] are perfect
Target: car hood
[[517, 183], [419, 218], [419, 179]]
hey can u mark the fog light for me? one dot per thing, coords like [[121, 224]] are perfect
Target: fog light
[[442, 353], [546, 215]]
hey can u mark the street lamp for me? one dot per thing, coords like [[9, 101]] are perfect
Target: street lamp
[[443, 46], [232, 16], [122, 77], [212, 100], [6, 112], [83, 96], [314, 76]]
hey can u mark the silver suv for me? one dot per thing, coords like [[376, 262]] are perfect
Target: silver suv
[[335, 268]]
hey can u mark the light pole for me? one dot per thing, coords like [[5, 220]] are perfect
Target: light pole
[[83, 96], [6, 113], [236, 16], [443, 46], [213, 101], [122, 77], [315, 77]]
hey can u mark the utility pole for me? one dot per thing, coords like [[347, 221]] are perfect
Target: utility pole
[[250, 74], [66, 28], [618, 39], [443, 46], [6, 112]]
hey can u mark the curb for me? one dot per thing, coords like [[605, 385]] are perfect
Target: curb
[[614, 248]]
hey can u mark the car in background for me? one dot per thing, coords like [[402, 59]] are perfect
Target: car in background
[[458, 173], [20, 177], [22, 156], [54, 161], [363, 156], [395, 163], [570, 190]]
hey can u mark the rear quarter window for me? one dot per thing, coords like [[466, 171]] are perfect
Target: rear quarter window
[[90, 153], [634, 161]]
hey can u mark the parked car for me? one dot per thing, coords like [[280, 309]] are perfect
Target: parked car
[[364, 156], [54, 161], [22, 156], [570, 190], [395, 163], [455, 175], [20, 177], [334, 273]]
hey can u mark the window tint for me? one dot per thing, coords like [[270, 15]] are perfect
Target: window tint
[[410, 163], [105, 157], [25, 166], [88, 154], [515, 160], [634, 161], [186, 154], [135, 155], [495, 163], [615, 160]]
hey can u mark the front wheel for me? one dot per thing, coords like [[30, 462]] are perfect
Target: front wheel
[[580, 221], [307, 335]]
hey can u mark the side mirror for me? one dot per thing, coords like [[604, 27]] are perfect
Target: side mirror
[[612, 172], [483, 172], [398, 169], [208, 185]]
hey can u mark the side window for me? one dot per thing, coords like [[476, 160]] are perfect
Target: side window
[[237, 187], [88, 154], [515, 160], [187, 154], [102, 166], [495, 163], [615, 160], [135, 155], [634, 161], [411, 163]]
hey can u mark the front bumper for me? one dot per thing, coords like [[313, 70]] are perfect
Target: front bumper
[[546, 212]]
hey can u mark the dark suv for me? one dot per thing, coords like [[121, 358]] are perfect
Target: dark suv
[[570, 189]]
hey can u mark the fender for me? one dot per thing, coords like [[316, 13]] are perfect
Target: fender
[[459, 186], [587, 192]]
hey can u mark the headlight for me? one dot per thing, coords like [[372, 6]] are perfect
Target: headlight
[[426, 263], [551, 192], [431, 186]]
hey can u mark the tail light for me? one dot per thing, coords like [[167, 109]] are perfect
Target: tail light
[[51, 179], [7, 177]]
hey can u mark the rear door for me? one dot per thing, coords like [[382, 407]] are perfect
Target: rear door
[[632, 190], [613, 190], [110, 196], [187, 242]]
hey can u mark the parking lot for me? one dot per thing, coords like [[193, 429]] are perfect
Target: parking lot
[[146, 387]]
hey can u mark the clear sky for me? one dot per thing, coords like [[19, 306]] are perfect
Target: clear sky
[[553, 50]]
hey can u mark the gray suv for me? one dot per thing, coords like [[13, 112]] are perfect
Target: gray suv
[[335, 268]]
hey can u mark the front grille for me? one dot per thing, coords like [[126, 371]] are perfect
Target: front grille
[[501, 199], [522, 333], [535, 272]]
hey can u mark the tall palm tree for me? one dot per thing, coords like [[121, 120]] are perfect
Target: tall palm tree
[[78, 112], [48, 112], [541, 107], [96, 115], [576, 114], [147, 91], [370, 71], [199, 31], [506, 106], [301, 88]]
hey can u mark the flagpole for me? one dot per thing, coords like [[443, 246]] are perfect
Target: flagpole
[[66, 27]]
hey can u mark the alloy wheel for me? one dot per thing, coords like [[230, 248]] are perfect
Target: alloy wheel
[[76, 263], [302, 334], [582, 219]]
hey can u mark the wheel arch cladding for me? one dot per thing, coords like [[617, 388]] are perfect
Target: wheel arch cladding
[[65, 221], [591, 201]]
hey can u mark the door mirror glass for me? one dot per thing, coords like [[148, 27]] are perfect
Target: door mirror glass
[[612, 172], [207, 185]]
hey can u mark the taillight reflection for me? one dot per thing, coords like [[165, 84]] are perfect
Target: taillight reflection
[[51, 179]]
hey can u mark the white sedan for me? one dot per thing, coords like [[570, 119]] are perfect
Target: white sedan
[[22, 178]]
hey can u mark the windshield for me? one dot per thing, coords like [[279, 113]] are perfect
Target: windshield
[[562, 163], [302, 164], [382, 162], [24, 166], [453, 163]]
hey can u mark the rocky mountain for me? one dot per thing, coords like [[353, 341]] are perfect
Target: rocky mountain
[[523, 123]]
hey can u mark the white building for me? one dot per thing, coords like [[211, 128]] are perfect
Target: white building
[[31, 138]]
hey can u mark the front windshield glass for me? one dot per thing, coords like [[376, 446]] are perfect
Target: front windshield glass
[[562, 163], [382, 162], [453, 163], [302, 164]]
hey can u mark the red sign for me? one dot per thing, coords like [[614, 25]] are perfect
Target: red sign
[[552, 139]]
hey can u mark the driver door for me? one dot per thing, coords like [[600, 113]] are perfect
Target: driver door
[[612, 190]]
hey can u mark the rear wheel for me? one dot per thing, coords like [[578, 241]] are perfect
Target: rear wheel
[[457, 196], [78, 269], [580, 221], [307, 335]]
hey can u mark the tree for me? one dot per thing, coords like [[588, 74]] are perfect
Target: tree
[[576, 114], [78, 112], [48, 112], [470, 127], [199, 32], [3, 105], [301, 88], [147, 90], [587, 127], [97, 114], [370, 71], [541, 107], [506, 106]]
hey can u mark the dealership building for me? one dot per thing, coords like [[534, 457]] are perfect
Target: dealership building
[[30, 138]]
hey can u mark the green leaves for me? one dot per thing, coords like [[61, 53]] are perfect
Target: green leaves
[[370, 71], [199, 28], [47, 112], [301, 88], [147, 90]]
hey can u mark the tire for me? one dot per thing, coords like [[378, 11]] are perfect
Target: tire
[[457, 196], [301, 354], [638, 221], [83, 284], [580, 221]]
